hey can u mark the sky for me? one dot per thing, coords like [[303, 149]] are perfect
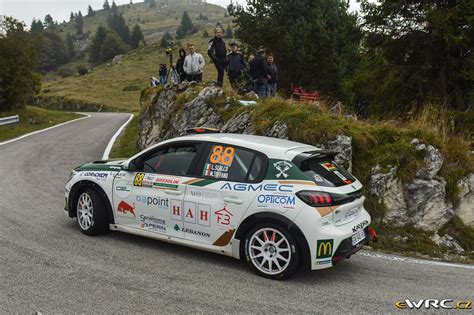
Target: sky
[[26, 10]]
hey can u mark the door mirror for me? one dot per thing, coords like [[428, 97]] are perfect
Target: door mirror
[[126, 166]]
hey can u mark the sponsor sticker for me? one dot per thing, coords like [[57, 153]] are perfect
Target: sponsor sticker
[[216, 171], [157, 202], [324, 248], [318, 178], [152, 223], [328, 166], [123, 189], [274, 200], [166, 183], [223, 217], [177, 228], [202, 194], [96, 175], [257, 187], [125, 208], [359, 226], [282, 167], [323, 262]]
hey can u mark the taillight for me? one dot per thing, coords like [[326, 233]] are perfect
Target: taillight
[[315, 198]]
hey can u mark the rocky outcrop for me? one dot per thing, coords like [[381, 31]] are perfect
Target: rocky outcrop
[[447, 241], [465, 207], [421, 203]]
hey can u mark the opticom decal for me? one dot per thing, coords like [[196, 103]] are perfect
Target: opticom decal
[[280, 201]]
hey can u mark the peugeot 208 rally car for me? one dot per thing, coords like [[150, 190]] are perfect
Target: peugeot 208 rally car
[[275, 203]]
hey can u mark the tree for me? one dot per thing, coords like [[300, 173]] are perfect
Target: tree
[[417, 52], [152, 3], [165, 40], [48, 21], [71, 17], [36, 26], [90, 11], [136, 36], [53, 52], [96, 45], [117, 23], [205, 34], [186, 27], [114, 7], [228, 32], [70, 45], [106, 5], [18, 60], [314, 42], [79, 24], [112, 46]]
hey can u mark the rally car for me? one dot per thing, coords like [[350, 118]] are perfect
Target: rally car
[[275, 203]]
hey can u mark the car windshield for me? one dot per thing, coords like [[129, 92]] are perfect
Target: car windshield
[[325, 172]]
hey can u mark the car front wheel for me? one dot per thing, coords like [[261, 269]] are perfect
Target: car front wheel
[[271, 251], [90, 212]]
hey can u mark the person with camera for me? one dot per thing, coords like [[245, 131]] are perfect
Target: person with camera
[[217, 51], [259, 73], [193, 65]]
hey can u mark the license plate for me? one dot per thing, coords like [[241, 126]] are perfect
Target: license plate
[[358, 237]]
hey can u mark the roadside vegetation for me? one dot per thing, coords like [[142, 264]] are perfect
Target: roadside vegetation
[[32, 119], [126, 144]]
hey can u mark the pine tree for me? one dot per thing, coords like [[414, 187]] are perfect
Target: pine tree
[[79, 24], [90, 11], [117, 23], [48, 21], [71, 17], [165, 40], [228, 32], [106, 5], [186, 26], [112, 46], [96, 45], [136, 37], [114, 7], [70, 45], [36, 26]]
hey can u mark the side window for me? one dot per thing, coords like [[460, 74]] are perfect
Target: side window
[[173, 160], [230, 163]]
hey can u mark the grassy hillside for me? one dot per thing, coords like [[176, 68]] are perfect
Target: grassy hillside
[[119, 85], [153, 21], [31, 119]]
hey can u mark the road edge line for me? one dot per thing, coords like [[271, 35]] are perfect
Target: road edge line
[[111, 143], [45, 129]]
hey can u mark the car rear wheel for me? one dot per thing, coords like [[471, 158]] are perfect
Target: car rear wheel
[[271, 251], [91, 212]]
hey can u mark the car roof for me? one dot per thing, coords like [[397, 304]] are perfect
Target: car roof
[[272, 147]]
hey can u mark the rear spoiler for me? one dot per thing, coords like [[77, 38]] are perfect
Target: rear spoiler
[[315, 153]]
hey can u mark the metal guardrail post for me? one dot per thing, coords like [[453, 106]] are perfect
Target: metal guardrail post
[[9, 120]]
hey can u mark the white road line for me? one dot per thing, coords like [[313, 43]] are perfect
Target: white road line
[[114, 137], [413, 260], [45, 129]]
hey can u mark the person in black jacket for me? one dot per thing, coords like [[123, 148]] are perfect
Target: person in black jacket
[[259, 73], [273, 72], [180, 64], [218, 53], [235, 66]]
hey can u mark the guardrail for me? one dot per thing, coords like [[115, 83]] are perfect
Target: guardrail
[[9, 120]]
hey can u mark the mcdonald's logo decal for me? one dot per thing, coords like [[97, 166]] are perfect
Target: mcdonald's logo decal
[[324, 249]]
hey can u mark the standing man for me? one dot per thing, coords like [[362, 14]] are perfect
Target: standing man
[[235, 66], [193, 65], [273, 72], [259, 73], [218, 53]]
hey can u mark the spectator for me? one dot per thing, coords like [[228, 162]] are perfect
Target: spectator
[[163, 74], [193, 65], [259, 73], [235, 66], [218, 53], [180, 64], [247, 81], [174, 76], [273, 72]]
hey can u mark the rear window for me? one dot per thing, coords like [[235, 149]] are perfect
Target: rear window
[[226, 162], [325, 172]]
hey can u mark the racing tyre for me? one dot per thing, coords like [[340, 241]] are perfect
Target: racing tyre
[[91, 212], [271, 251]]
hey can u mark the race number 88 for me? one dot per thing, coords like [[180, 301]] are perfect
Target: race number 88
[[221, 155], [138, 179]]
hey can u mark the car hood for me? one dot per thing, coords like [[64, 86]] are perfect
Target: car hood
[[105, 165]]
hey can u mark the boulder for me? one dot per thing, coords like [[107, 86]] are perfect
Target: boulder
[[465, 206], [447, 241], [343, 145], [433, 160], [278, 130]]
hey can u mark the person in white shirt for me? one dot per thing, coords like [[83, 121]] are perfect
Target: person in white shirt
[[193, 65]]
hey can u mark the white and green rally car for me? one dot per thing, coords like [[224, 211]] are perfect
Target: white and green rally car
[[276, 203]]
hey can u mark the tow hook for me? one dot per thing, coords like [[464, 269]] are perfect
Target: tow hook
[[373, 234]]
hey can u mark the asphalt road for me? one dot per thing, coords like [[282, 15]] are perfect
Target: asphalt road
[[47, 265]]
